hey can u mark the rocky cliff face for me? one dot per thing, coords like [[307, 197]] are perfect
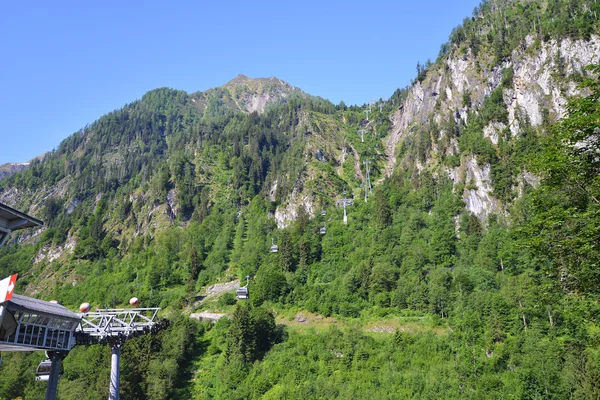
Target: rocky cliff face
[[542, 81]]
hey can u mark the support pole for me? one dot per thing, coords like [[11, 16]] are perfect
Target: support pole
[[4, 233], [56, 359], [362, 134], [367, 181], [1, 315], [366, 190], [345, 216], [115, 365]]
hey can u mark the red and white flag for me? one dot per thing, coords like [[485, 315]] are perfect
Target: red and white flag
[[7, 287]]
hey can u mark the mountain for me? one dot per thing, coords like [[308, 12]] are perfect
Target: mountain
[[467, 270], [11, 168]]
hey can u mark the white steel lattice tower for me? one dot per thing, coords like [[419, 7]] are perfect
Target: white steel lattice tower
[[114, 327], [362, 134], [368, 190]]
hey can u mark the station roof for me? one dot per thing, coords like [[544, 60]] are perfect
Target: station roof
[[23, 314], [19, 302], [12, 219]]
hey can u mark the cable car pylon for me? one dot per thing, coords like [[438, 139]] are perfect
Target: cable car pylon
[[344, 203], [368, 187], [53, 372], [114, 327], [362, 134]]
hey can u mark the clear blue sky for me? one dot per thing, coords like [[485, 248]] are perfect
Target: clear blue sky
[[66, 63]]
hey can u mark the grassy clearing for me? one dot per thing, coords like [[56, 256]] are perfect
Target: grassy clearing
[[303, 322]]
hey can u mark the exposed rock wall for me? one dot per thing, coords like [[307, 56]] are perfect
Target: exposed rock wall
[[478, 192], [542, 83]]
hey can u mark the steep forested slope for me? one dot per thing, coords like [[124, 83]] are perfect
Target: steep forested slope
[[470, 272]]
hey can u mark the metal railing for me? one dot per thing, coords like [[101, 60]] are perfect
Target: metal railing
[[104, 325]]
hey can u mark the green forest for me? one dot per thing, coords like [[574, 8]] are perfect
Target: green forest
[[413, 298]]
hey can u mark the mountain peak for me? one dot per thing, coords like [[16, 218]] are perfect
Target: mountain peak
[[254, 94], [242, 79]]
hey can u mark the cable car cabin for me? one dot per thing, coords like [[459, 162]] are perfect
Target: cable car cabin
[[242, 293], [323, 231], [42, 372], [274, 247], [323, 213]]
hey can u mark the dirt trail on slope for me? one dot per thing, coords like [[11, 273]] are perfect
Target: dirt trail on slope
[[391, 143], [390, 150], [357, 169], [215, 290], [219, 288]]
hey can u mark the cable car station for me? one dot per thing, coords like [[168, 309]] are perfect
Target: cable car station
[[28, 324]]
